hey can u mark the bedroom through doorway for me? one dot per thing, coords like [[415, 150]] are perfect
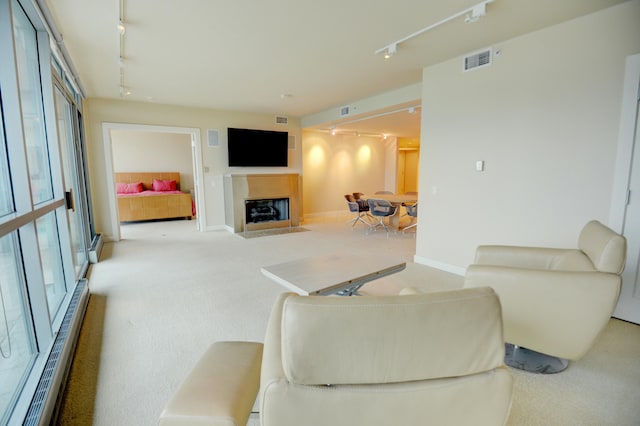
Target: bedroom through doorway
[[153, 174]]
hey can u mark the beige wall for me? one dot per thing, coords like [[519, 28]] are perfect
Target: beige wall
[[544, 118], [99, 111], [338, 165], [139, 151]]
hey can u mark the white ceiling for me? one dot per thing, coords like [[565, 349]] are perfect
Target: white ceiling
[[244, 55]]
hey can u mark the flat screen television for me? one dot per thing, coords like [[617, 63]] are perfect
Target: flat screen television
[[257, 148]]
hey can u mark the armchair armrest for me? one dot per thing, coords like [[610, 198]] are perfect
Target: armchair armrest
[[517, 256], [220, 390]]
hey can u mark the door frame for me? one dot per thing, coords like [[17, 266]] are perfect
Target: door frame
[[625, 143], [624, 158], [196, 150]]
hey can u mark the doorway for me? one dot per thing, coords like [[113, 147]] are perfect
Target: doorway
[[625, 215], [164, 149], [408, 165]]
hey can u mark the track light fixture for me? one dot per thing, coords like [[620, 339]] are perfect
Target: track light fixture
[[477, 12], [473, 14], [391, 50], [121, 28]]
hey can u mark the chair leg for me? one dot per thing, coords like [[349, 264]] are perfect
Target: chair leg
[[380, 223], [357, 219], [412, 225]]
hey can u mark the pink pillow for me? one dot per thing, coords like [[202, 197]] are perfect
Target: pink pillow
[[164, 185], [128, 188]]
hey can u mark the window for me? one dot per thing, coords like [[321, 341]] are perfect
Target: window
[[43, 245], [26, 48], [6, 198], [17, 349]]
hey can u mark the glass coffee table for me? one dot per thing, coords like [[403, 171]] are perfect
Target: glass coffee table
[[335, 273]]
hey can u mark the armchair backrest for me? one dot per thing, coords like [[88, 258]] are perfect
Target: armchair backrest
[[396, 360], [606, 249]]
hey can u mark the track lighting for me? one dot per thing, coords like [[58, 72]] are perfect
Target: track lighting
[[121, 27], [477, 12], [473, 14], [391, 50], [124, 91]]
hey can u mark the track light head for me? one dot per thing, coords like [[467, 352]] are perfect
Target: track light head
[[121, 27], [477, 12], [391, 50]]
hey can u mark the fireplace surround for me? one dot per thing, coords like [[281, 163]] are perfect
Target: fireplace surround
[[261, 201]]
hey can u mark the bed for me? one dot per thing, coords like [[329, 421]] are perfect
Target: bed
[[149, 196]]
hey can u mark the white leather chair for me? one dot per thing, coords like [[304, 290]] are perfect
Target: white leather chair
[[434, 358], [555, 302]]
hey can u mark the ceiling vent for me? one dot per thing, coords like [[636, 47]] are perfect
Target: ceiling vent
[[477, 60], [282, 119], [345, 111]]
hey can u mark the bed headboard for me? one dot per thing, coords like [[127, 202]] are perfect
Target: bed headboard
[[147, 178]]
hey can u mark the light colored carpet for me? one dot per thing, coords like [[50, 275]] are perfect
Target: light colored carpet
[[164, 293]]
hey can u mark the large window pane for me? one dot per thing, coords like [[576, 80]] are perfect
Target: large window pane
[[6, 200], [17, 351], [71, 164], [50, 255], [26, 49]]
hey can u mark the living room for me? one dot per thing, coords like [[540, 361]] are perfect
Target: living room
[[548, 121]]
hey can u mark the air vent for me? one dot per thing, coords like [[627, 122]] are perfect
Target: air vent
[[282, 120], [477, 60], [345, 111], [292, 142]]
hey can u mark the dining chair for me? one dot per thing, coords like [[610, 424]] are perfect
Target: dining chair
[[359, 207], [381, 209], [412, 212]]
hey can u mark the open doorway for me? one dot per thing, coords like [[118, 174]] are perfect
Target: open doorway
[[131, 148]]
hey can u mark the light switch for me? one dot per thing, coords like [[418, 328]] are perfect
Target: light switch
[[480, 165]]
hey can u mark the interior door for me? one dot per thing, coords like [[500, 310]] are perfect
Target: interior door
[[629, 303]]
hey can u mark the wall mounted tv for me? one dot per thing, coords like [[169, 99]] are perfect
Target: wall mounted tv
[[257, 148]]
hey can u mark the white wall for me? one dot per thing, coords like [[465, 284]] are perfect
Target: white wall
[[99, 111], [341, 164], [544, 118], [137, 151]]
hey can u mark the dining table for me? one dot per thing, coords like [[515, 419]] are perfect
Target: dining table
[[397, 200]]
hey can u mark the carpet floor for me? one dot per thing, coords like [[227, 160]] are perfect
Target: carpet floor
[[166, 291]]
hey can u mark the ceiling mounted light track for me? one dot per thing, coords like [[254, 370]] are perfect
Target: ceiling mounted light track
[[473, 14], [123, 90]]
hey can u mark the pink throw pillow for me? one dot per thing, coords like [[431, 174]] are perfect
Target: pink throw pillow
[[164, 185], [128, 188]]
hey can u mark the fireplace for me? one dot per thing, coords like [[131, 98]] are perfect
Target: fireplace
[[268, 210], [262, 201]]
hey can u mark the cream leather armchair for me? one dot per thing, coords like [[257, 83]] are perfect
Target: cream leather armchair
[[432, 358], [554, 301]]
